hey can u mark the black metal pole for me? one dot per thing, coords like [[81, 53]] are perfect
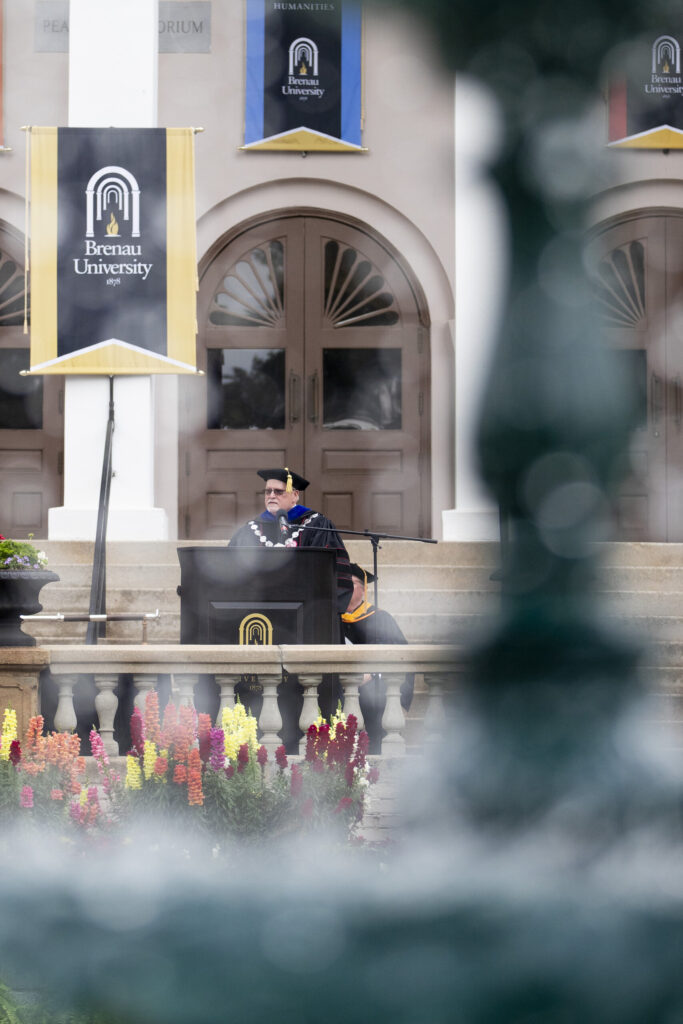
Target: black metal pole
[[98, 588]]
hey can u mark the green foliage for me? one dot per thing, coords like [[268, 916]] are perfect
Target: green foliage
[[9, 792], [21, 554], [246, 806], [13, 1010]]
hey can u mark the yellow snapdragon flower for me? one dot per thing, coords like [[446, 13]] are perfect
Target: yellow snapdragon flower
[[238, 727], [9, 732], [149, 758], [133, 773]]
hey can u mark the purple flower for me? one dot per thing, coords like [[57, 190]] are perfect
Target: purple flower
[[217, 743]]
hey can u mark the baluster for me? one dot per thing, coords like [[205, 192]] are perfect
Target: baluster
[[144, 684], [227, 682], [435, 716], [184, 684], [310, 712], [106, 703], [351, 682], [393, 719], [270, 720], [65, 715]]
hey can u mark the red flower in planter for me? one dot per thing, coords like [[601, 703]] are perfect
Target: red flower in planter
[[242, 757]]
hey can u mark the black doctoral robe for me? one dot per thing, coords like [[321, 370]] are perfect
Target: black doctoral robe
[[307, 529]]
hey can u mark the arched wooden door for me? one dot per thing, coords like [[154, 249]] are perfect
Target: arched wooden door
[[315, 346], [31, 414], [638, 267]]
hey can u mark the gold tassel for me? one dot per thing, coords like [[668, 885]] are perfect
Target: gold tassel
[[288, 486]]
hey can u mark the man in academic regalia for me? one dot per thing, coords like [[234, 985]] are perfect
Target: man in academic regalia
[[306, 528], [364, 624], [303, 528]]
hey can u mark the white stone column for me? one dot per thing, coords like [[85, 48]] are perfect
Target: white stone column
[[113, 57], [480, 272]]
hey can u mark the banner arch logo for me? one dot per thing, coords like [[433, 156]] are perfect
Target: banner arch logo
[[112, 186], [256, 629], [303, 56]]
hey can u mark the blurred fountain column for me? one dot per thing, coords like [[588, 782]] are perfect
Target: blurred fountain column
[[480, 276], [113, 50]]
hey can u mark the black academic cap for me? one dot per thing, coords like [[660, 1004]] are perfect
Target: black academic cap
[[361, 573], [285, 475]]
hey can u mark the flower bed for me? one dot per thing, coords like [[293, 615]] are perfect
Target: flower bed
[[218, 781]]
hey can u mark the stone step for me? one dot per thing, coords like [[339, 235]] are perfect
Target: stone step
[[639, 577], [643, 629], [645, 554], [76, 599], [651, 603], [390, 552], [57, 597], [123, 576], [165, 552]]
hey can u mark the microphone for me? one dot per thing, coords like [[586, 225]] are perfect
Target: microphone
[[283, 522]]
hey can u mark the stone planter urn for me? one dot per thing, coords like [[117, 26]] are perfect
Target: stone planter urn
[[19, 589]]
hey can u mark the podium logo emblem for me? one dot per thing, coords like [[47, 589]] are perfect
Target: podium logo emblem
[[256, 629]]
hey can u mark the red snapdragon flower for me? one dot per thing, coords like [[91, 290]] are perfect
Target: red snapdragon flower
[[311, 737], [15, 752], [262, 755], [204, 737], [242, 757], [281, 758], [137, 733]]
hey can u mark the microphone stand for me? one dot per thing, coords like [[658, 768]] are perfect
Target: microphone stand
[[374, 539]]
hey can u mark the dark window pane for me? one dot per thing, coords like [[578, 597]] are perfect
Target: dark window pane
[[21, 398], [362, 388], [246, 388], [632, 363]]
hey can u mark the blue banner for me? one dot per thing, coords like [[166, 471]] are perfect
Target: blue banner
[[303, 76]]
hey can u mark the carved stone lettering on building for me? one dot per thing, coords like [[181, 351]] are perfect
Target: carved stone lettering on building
[[183, 27]]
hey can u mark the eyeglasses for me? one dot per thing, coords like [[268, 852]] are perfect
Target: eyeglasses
[[277, 491]]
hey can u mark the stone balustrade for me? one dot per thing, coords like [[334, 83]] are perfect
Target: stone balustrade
[[439, 665]]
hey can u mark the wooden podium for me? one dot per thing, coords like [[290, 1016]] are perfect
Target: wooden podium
[[250, 595]]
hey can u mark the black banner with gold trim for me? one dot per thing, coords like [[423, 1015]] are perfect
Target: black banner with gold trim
[[646, 96], [113, 252]]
